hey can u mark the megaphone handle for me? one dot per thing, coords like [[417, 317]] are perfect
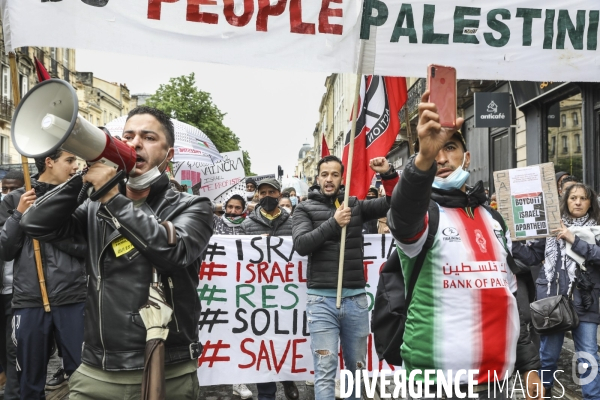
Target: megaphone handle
[[84, 192], [97, 195]]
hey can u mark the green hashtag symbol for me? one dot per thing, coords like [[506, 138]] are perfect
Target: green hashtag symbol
[[204, 295]]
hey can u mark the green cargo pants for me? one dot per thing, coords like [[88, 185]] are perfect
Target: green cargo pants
[[82, 387]]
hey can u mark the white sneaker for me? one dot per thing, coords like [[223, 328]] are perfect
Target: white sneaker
[[242, 391], [337, 389], [309, 383]]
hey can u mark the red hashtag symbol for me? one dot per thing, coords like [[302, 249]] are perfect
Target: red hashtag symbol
[[215, 350], [207, 270]]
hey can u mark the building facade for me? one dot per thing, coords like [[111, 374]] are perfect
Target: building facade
[[59, 62], [334, 116], [100, 101], [555, 122]]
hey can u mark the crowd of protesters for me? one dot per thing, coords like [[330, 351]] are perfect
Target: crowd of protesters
[[90, 289]]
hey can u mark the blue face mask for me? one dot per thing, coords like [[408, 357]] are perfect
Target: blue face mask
[[294, 200], [455, 180]]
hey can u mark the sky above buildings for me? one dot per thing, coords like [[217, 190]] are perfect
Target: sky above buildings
[[272, 112]]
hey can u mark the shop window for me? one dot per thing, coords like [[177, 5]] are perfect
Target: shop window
[[566, 141]]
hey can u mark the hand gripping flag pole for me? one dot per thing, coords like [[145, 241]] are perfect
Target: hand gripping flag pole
[[349, 172], [14, 73]]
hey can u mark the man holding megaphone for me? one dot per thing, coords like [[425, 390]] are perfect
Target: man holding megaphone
[[133, 228]]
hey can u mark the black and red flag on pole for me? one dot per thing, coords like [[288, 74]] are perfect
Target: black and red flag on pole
[[377, 125], [42, 73], [324, 148]]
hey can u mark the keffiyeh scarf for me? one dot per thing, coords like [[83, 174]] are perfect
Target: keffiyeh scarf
[[552, 251], [233, 222]]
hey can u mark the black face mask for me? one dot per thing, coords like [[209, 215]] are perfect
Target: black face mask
[[268, 203], [371, 197]]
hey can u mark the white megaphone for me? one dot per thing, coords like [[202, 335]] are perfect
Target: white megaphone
[[47, 119]]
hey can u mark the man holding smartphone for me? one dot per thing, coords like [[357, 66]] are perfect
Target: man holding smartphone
[[457, 319]]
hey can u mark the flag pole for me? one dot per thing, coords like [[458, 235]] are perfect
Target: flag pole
[[338, 302], [14, 74], [411, 149]]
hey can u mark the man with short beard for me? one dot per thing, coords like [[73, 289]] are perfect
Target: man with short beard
[[64, 272], [456, 320], [317, 228], [132, 229]]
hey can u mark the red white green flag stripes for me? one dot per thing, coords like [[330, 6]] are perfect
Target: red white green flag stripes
[[463, 314]]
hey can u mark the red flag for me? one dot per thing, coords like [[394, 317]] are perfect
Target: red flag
[[324, 148], [42, 73], [377, 125]]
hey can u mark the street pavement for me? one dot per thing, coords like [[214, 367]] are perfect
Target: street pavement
[[224, 392]]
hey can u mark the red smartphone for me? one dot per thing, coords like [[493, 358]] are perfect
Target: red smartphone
[[441, 83]]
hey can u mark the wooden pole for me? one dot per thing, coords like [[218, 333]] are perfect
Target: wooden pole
[[338, 302], [411, 149], [14, 74]]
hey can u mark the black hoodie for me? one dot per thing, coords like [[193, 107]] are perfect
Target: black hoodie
[[63, 261]]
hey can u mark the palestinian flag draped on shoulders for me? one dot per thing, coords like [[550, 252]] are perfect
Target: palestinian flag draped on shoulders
[[377, 125]]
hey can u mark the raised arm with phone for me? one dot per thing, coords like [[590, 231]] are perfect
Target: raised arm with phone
[[451, 322]]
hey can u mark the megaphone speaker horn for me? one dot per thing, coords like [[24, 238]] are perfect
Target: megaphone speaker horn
[[47, 119]]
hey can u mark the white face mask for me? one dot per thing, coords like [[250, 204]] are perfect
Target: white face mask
[[250, 195], [455, 180], [146, 179], [287, 209]]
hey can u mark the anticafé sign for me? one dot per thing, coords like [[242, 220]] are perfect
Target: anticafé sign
[[492, 110], [496, 40], [253, 324]]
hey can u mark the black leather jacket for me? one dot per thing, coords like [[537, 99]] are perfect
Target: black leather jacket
[[115, 335]]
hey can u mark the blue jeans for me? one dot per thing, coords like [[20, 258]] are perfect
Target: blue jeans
[[328, 326], [585, 340], [266, 390]]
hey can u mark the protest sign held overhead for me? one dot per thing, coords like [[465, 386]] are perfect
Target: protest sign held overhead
[[528, 200], [240, 188], [494, 38], [211, 180]]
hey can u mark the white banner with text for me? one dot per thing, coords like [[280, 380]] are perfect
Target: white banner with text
[[491, 39], [253, 324]]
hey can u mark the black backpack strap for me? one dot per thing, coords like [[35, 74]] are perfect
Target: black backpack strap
[[434, 221], [509, 258]]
